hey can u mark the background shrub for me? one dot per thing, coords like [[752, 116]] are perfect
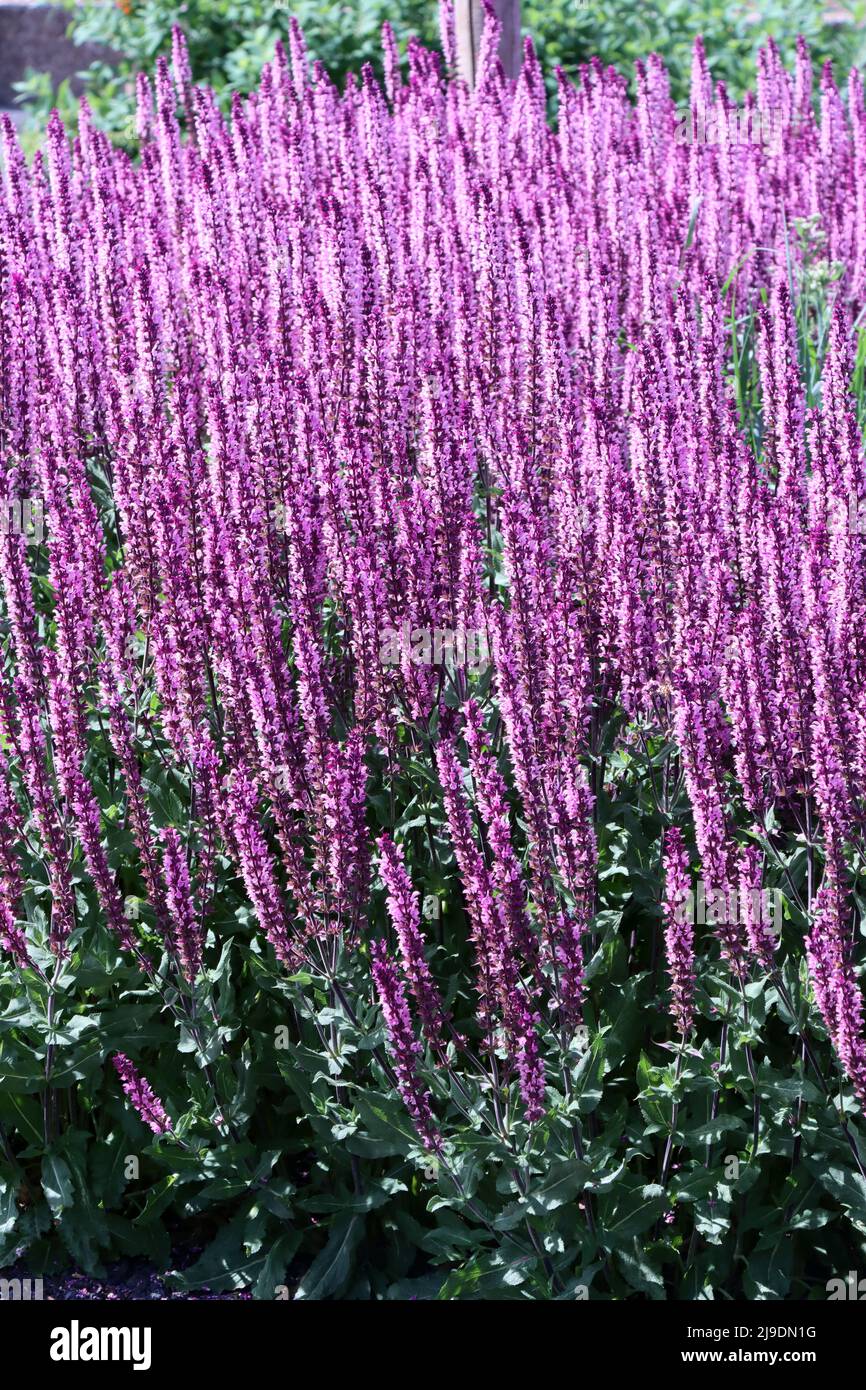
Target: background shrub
[[229, 40]]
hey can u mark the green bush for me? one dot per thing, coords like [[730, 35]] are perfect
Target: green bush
[[568, 34], [228, 42], [230, 39]]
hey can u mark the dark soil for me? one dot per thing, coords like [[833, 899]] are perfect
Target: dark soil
[[125, 1281]]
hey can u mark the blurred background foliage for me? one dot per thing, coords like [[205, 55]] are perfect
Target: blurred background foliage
[[230, 39]]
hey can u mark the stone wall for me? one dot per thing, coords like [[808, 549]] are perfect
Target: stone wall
[[34, 36]]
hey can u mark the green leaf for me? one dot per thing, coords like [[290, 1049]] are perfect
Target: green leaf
[[589, 1076], [24, 1115], [562, 1183], [331, 1270], [57, 1183], [387, 1122], [626, 1214], [768, 1271], [788, 1089], [224, 1265], [107, 1164], [277, 1261], [712, 1130], [640, 1271], [21, 1071], [158, 1199], [847, 1187], [83, 1231]]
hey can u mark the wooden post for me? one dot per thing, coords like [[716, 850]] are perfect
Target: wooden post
[[468, 23], [510, 45]]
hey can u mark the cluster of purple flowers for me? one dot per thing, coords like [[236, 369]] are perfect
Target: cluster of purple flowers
[[345, 362], [140, 1095]]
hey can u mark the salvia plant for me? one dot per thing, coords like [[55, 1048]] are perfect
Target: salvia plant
[[378, 971]]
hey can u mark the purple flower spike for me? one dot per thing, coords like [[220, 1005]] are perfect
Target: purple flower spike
[[140, 1095]]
